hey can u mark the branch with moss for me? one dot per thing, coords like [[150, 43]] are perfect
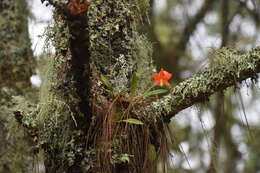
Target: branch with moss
[[230, 67]]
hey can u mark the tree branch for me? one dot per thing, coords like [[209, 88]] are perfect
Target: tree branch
[[230, 67], [254, 13], [180, 47], [192, 25]]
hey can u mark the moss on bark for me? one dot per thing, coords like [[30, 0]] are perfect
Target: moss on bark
[[64, 114]]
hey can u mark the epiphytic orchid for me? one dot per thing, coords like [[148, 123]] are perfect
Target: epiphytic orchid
[[162, 78]]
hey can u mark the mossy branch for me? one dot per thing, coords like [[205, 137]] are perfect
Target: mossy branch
[[230, 67]]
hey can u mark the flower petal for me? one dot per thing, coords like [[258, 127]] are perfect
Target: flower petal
[[166, 75], [166, 83], [156, 76], [156, 83]]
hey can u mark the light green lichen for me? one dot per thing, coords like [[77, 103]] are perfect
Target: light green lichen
[[111, 32], [116, 49], [143, 55]]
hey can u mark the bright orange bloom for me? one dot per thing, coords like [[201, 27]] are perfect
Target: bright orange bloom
[[162, 78]]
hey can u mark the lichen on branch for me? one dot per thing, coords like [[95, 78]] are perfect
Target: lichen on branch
[[230, 67]]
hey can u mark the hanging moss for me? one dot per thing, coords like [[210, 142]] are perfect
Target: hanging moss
[[63, 113]]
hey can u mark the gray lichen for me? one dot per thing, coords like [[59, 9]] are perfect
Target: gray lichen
[[114, 44]]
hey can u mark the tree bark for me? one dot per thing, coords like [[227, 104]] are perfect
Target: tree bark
[[16, 60], [16, 67]]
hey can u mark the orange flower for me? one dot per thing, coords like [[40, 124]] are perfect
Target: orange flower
[[162, 78]]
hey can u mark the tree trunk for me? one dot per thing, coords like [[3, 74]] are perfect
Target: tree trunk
[[16, 62], [16, 67], [78, 129]]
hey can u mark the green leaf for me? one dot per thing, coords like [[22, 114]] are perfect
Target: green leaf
[[106, 82], [152, 155], [133, 86], [132, 121], [155, 92]]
